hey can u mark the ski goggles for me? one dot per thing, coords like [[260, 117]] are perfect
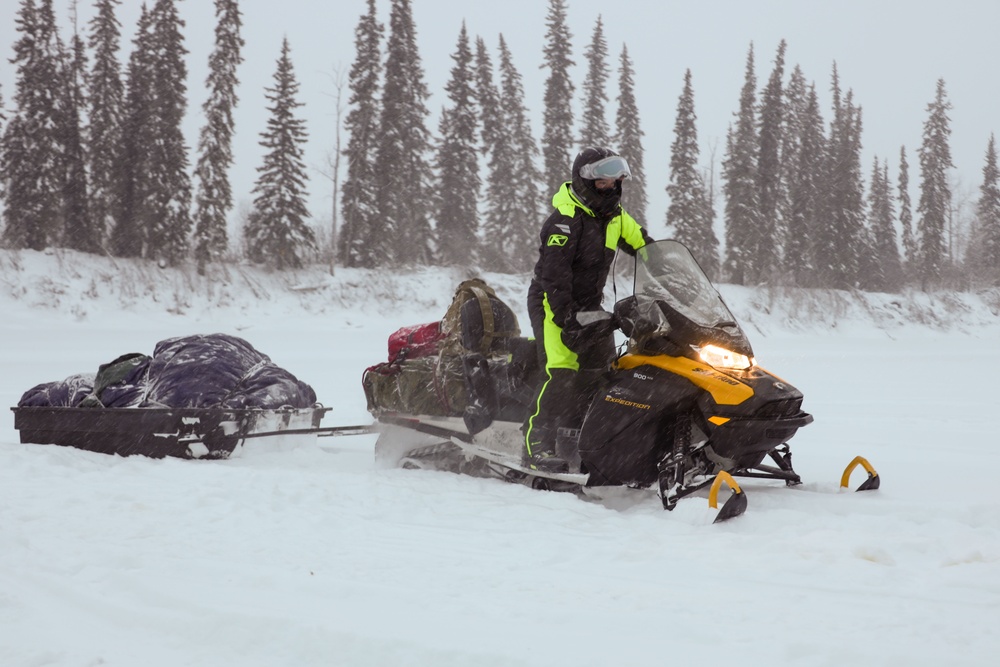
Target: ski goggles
[[610, 167]]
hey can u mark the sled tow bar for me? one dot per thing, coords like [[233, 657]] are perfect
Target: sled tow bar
[[323, 432]]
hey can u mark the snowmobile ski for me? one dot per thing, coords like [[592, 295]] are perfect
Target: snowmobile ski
[[869, 484], [737, 503]]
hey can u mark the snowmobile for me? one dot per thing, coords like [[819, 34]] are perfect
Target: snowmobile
[[684, 407]]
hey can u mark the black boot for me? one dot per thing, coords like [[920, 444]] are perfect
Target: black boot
[[546, 461]]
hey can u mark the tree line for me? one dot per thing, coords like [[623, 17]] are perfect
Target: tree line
[[93, 158]]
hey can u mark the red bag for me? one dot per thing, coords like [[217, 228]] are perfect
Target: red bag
[[418, 340]]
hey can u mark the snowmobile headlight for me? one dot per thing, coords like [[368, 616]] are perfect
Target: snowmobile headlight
[[720, 357]]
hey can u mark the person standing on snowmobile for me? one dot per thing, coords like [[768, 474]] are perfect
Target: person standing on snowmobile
[[573, 333]]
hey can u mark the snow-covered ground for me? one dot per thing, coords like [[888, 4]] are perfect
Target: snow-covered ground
[[311, 555]]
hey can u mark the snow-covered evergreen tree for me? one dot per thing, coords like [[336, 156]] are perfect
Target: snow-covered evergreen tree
[[3, 124], [935, 192], [986, 250], [595, 130], [130, 234], [910, 250], [80, 231], [495, 251], [839, 236], [854, 194], [458, 163], [805, 187], [214, 198], [739, 171], [404, 150], [557, 132], [525, 206], [106, 100], [884, 273], [795, 101], [169, 223], [33, 166], [628, 139], [765, 237], [686, 216], [276, 232], [156, 196], [362, 239]]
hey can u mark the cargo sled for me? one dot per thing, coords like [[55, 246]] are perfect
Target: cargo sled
[[196, 396], [160, 432]]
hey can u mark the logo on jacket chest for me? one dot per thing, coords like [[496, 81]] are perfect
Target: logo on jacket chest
[[557, 240]]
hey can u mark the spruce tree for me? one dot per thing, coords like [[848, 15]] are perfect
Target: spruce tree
[[795, 101], [805, 191], [3, 124], [80, 232], [525, 206], [686, 218], [987, 250], [853, 196], [935, 193], [496, 251], [170, 187], [595, 131], [129, 237], [910, 250], [629, 140], [33, 166], [457, 163], [405, 235], [739, 170], [557, 133], [276, 232], [362, 239], [839, 237], [881, 269], [106, 99], [214, 198], [824, 257], [765, 236]]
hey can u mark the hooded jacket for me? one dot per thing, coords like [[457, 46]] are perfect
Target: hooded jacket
[[575, 255]]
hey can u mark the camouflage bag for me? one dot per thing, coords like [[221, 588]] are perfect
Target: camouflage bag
[[424, 386]]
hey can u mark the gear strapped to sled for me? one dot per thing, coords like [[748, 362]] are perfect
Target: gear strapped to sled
[[425, 373]]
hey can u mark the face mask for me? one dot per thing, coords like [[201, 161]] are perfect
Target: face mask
[[606, 202]]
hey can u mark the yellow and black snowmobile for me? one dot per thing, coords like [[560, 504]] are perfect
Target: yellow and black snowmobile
[[683, 408]]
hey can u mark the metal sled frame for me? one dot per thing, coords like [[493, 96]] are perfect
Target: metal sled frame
[[160, 432]]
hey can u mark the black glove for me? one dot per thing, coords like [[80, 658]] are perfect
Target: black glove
[[588, 326]]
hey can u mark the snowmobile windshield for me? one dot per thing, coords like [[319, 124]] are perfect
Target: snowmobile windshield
[[670, 283]]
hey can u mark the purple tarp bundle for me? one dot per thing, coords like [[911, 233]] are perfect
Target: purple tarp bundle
[[200, 371]]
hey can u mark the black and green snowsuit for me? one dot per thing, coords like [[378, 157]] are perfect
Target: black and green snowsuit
[[575, 255]]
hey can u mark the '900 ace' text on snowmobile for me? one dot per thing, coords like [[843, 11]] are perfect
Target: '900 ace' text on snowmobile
[[685, 407]]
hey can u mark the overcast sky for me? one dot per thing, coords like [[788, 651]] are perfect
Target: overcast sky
[[890, 53]]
